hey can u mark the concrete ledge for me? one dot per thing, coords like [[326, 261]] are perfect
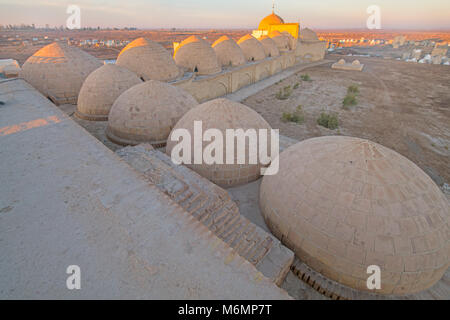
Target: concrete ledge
[[69, 200], [213, 207]]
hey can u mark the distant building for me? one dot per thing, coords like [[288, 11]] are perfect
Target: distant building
[[274, 22], [9, 68], [399, 41]]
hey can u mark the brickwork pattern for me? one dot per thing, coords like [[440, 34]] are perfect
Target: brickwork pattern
[[149, 60], [212, 206], [281, 40], [343, 204], [228, 52], [270, 47], [147, 112], [196, 55], [101, 88], [223, 114], [58, 71], [252, 48], [308, 35], [336, 291]]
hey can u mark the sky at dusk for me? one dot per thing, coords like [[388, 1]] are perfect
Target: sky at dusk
[[318, 14]]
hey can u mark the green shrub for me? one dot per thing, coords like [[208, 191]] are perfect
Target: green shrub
[[305, 77], [329, 121], [353, 89], [286, 117], [297, 116], [284, 93], [349, 100], [296, 85]]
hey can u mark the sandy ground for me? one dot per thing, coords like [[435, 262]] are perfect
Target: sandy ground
[[404, 106]]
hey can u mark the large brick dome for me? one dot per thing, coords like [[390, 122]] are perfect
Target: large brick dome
[[58, 71], [228, 52], [270, 47], [252, 48], [147, 112], [196, 55], [101, 88], [343, 204], [222, 114], [149, 60], [308, 35], [281, 40]]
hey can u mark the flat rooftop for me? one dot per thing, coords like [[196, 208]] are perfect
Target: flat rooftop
[[66, 199]]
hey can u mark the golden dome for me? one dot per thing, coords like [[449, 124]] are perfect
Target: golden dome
[[270, 20]]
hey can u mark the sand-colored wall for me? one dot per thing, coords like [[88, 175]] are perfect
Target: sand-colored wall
[[310, 51], [205, 88]]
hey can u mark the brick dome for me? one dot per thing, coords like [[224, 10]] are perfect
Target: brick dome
[[343, 204], [147, 112], [252, 48], [149, 60], [196, 55], [270, 47], [58, 71], [281, 40], [308, 35], [222, 114], [101, 88], [228, 52]]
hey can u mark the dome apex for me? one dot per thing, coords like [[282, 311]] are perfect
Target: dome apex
[[149, 60], [58, 71], [270, 20], [228, 52], [196, 55]]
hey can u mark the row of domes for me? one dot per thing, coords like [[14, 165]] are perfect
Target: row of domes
[[147, 112], [196, 55], [59, 70], [340, 203]]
